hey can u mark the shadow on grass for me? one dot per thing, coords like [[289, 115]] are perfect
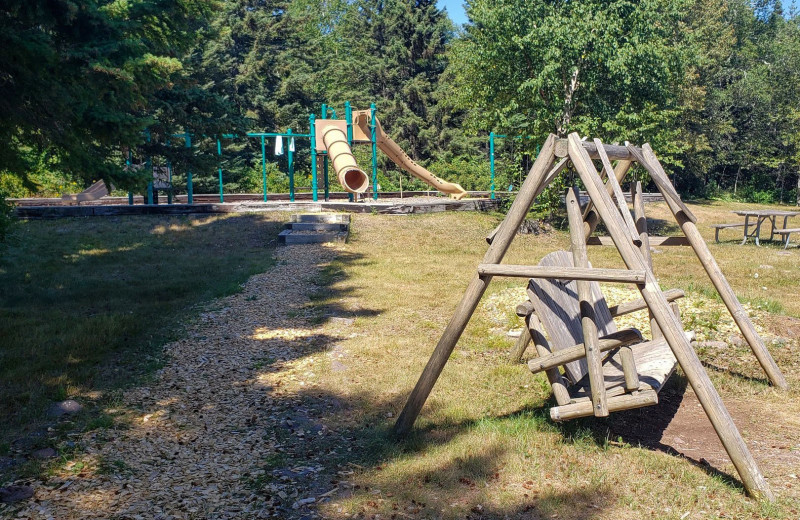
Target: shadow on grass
[[644, 427], [333, 447], [86, 303]]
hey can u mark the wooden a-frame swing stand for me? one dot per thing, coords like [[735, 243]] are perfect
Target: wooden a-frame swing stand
[[631, 240]]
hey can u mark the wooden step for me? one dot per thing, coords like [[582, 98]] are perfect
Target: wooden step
[[292, 237], [317, 226], [330, 218]]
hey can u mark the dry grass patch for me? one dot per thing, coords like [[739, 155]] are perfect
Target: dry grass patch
[[483, 446]]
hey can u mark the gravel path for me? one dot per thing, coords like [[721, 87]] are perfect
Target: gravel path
[[198, 436]]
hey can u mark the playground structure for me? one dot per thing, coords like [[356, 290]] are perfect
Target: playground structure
[[330, 142], [565, 302], [96, 191]]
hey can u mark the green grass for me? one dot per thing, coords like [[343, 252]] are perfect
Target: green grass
[[86, 303]]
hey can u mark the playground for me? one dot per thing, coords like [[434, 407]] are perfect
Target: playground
[[394, 259], [297, 400], [328, 148]]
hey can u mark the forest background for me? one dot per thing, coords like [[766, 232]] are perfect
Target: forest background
[[86, 85]]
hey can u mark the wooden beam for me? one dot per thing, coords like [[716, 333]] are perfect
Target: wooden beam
[[590, 216], [614, 152], [648, 160], [568, 355], [724, 289], [519, 348], [557, 381], [552, 174], [524, 309], [562, 273], [615, 404], [733, 304], [640, 304], [748, 470], [616, 190], [586, 303], [533, 186], [644, 247], [654, 241]]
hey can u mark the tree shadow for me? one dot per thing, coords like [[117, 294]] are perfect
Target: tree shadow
[[644, 427], [762, 381]]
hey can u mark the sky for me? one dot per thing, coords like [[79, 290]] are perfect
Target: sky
[[455, 8]]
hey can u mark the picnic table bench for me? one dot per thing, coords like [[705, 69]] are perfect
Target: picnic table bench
[[787, 232], [717, 227], [753, 229]]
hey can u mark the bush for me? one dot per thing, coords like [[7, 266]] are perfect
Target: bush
[[6, 216]]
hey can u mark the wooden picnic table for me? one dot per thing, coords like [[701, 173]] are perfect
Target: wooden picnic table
[[760, 216]]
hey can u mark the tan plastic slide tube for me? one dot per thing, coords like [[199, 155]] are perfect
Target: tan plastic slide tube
[[350, 176], [401, 159]]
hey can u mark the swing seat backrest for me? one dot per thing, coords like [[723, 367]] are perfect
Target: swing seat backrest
[[556, 304]]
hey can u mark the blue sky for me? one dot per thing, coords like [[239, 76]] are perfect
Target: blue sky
[[455, 8]]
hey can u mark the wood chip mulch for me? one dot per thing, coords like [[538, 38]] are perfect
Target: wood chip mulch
[[207, 437]]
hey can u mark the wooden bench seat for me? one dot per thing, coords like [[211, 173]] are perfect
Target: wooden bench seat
[[555, 305], [717, 227], [787, 232]]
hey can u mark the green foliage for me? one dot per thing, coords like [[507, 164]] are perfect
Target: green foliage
[[84, 78], [6, 216], [600, 68]]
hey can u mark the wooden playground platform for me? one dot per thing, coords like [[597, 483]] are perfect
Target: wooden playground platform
[[27, 209]]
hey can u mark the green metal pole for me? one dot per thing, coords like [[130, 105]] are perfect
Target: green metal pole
[[290, 161], [372, 128], [264, 166], [348, 117], [325, 183], [149, 166], [313, 133], [325, 178], [128, 164], [219, 153], [491, 159], [189, 185], [169, 193]]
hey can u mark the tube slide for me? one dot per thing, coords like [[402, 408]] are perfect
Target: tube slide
[[401, 159], [351, 177]]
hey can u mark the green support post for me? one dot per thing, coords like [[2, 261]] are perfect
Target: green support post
[[149, 166], [171, 189], [372, 128], [290, 163], [313, 133], [189, 185], [348, 117], [325, 178], [264, 166], [491, 159], [219, 154], [325, 182], [128, 164]]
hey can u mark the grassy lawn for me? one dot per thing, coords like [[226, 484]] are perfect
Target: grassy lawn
[[91, 300], [484, 445], [86, 303]]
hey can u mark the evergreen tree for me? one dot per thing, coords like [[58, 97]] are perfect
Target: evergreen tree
[[77, 79]]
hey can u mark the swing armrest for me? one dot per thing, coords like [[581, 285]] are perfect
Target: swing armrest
[[640, 304], [612, 341]]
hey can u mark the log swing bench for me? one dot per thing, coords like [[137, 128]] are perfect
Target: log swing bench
[[568, 320]]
